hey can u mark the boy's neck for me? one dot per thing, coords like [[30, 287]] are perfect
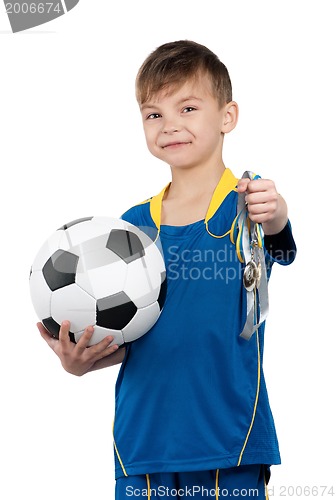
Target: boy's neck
[[194, 181], [189, 194]]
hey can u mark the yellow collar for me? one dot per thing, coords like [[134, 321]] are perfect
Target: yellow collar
[[226, 184]]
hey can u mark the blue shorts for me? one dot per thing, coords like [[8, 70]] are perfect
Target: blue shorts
[[245, 481]]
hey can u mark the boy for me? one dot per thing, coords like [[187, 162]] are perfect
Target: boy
[[192, 412]]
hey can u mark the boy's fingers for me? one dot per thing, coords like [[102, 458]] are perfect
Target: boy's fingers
[[242, 185], [46, 335], [64, 332], [103, 349], [106, 352], [99, 350], [259, 185], [41, 329], [85, 339], [103, 345], [257, 198]]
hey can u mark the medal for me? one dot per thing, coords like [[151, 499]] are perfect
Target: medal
[[253, 270], [250, 276], [248, 237]]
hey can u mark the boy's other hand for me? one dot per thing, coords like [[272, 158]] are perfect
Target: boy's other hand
[[78, 358], [264, 204]]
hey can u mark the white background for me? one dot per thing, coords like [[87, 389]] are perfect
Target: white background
[[72, 145]]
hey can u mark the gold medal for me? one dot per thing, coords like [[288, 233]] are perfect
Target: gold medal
[[250, 276]]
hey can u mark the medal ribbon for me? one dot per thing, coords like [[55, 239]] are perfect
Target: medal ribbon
[[247, 236]]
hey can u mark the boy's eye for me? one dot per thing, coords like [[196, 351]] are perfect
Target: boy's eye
[[153, 116], [188, 109]]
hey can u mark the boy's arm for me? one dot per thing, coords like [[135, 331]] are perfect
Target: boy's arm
[[79, 359], [281, 246], [267, 207]]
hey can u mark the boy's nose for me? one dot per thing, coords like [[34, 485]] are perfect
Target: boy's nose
[[170, 127]]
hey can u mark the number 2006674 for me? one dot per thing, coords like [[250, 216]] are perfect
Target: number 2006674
[[33, 8], [301, 491]]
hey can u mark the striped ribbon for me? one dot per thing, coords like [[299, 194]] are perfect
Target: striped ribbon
[[248, 238]]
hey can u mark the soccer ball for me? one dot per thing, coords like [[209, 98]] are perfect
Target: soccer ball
[[99, 271]]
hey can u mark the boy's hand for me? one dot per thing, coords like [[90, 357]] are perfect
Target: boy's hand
[[78, 358], [265, 206]]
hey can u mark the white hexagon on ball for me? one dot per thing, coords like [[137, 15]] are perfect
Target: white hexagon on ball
[[73, 304]]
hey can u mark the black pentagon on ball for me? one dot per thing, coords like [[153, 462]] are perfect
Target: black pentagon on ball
[[74, 222], [125, 244], [60, 269], [115, 311], [163, 290], [53, 328]]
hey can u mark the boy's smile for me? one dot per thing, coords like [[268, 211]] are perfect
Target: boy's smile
[[185, 127], [175, 144]]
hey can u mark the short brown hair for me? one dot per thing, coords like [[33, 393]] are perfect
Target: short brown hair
[[172, 64]]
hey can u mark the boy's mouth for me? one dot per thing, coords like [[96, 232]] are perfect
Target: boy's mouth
[[175, 144]]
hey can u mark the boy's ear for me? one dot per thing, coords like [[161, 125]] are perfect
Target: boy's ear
[[230, 116]]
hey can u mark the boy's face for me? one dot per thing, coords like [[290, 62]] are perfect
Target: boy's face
[[185, 128]]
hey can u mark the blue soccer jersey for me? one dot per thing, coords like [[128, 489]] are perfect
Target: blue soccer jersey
[[191, 393]]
